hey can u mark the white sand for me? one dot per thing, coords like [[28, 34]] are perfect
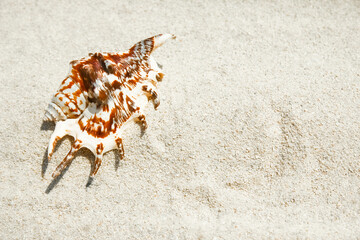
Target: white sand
[[257, 134]]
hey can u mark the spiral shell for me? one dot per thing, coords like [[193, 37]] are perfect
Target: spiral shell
[[68, 102], [103, 92]]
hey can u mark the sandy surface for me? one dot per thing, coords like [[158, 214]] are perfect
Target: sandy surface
[[257, 134]]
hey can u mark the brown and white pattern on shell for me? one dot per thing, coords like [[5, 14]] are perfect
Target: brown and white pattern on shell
[[101, 94]]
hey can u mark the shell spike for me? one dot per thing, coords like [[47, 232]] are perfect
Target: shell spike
[[160, 39], [59, 132], [97, 165], [62, 128], [147, 46], [51, 147], [141, 120], [120, 147], [67, 160], [98, 159]]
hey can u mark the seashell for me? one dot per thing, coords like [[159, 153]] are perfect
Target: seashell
[[100, 95]]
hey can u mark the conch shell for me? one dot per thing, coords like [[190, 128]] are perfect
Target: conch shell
[[101, 93]]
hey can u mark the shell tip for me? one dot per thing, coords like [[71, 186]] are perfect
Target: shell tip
[[55, 174]]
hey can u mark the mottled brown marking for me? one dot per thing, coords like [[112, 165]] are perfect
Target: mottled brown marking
[[75, 75], [73, 62], [96, 166], [77, 144], [116, 84], [63, 86], [105, 108], [143, 48], [102, 96], [132, 82], [112, 68], [142, 121], [81, 125], [121, 97], [77, 93], [106, 125], [130, 104], [53, 146], [120, 147], [86, 72], [69, 97], [99, 148], [118, 142], [101, 60], [117, 58], [159, 77]]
